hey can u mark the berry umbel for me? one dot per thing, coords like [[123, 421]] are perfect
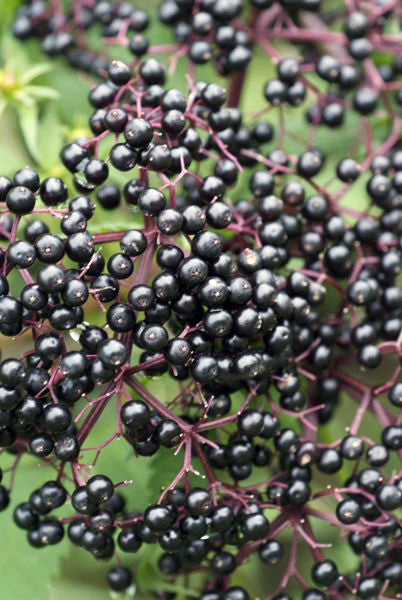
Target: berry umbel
[[254, 276]]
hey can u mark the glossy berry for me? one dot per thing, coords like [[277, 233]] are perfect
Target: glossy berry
[[348, 512], [20, 200], [100, 489], [119, 579]]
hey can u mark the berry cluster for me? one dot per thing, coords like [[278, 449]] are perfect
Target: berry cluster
[[262, 311]]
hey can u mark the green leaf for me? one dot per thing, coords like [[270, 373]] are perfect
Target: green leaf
[[36, 569], [146, 573], [34, 72], [117, 225], [148, 577], [50, 137], [19, 96], [13, 54], [163, 469], [42, 92], [30, 572], [79, 576], [73, 92], [13, 154], [28, 120], [179, 589], [8, 8], [3, 104]]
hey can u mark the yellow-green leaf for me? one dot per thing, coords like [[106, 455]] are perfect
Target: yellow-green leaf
[[41, 92], [34, 72]]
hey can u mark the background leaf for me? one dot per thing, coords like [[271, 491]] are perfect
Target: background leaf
[[25, 572], [7, 9], [13, 154], [28, 120], [50, 137], [41, 92], [36, 71]]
